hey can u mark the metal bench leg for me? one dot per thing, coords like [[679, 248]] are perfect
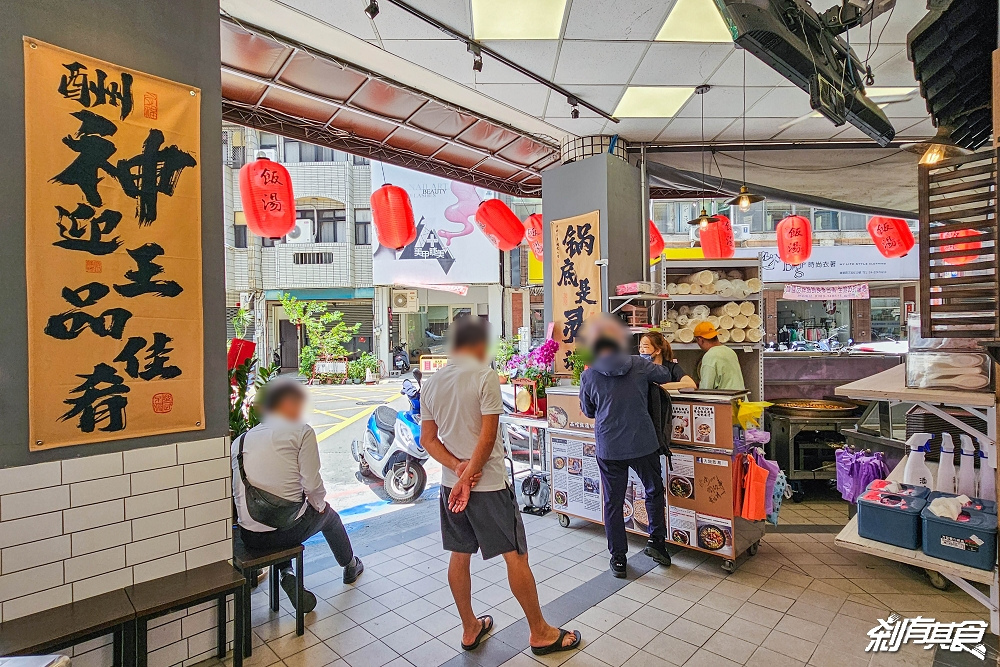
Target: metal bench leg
[[245, 616], [241, 626], [272, 578], [141, 652], [300, 626], [118, 642], [128, 644], [221, 628]]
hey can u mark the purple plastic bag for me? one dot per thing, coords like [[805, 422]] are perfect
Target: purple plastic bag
[[845, 459], [772, 478]]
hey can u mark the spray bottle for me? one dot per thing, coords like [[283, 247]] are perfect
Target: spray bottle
[[987, 470], [916, 471], [967, 469], [946, 478]]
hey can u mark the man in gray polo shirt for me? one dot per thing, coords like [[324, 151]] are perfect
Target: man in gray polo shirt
[[460, 412]]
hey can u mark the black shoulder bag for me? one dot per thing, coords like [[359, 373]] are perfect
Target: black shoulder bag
[[265, 507]]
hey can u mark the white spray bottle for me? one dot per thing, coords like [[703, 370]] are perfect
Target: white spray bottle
[[987, 470], [967, 469], [916, 471], [946, 477]]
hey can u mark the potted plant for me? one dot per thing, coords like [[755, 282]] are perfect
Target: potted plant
[[536, 366], [506, 349], [578, 360], [355, 371]]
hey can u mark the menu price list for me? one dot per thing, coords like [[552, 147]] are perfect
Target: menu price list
[[690, 528], [576, 478]]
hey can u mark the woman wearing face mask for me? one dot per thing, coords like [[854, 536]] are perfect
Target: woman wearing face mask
[[654, 347]]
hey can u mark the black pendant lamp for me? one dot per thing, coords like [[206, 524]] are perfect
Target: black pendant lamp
[[704, 218], [745, 199]]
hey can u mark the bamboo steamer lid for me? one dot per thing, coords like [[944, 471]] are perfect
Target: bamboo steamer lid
[[754, 335], [726, 321], [754, 285], [754, 321], [683, 288]]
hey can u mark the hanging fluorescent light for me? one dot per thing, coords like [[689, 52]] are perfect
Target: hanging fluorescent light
[[939, 147]]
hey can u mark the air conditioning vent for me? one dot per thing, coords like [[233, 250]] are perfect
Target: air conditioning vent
[[312, 258]]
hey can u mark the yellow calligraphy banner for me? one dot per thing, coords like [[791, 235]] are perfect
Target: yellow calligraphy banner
[[576, 278], [113, 246]]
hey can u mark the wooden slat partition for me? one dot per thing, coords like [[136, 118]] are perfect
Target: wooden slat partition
[[959, 286]]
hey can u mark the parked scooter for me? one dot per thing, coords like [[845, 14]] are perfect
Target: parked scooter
[[400, 358], [391, 448]]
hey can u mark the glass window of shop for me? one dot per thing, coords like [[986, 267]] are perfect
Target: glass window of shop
[[814, 321], [886, 322], [362, 226]]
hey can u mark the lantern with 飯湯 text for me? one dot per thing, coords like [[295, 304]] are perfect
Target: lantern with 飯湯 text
[[794, 239], [655, 241], [958, 260], [892, 236], [392, 215], [717, 240], [500, 225], [533, 234], [268, 201]]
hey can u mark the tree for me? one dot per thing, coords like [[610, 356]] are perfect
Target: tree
[[326, 332], [241, 321]]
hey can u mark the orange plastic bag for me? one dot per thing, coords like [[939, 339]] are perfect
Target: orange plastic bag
[[754, 489]]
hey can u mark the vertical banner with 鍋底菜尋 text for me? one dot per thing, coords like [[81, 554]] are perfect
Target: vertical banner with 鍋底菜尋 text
[[113, 251], [576, 279]]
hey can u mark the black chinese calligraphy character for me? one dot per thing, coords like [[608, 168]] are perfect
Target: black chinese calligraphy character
[[584, 291], [156, 359], [69, 325], [271, 203], [94, 293], [567, 274], [579, 238], [78, 86], [94, 150], [568, 359], [571, 327], [270, 177], [75, 234], [101, 399], [142, 276], [152, 172]]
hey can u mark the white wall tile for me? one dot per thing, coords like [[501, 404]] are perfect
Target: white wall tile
[[211, 553], [26, 478], [163, 635], [88, 541], [100, 490], [217, 510], [203, 642], [93, 644], [150, 503], [199, 536], [91, 467], [93, 564], [29, 604], [88, 588], [195, 473], [157, 480], [192, 624], [42, 577], [195, 494], [92, 516], [30, 529], [161, 567], [155, 547], [168, 655], [157, 524], [148, 458], [168, 618], [100, 657], [29, 503], [201, 450], [29, 555]]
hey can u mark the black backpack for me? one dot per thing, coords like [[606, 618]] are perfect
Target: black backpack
[[658, 401], [265, 507]]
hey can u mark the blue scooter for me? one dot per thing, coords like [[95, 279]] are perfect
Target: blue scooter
[[391, 448]]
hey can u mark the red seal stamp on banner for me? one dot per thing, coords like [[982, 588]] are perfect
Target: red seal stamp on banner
[[150, 106], [163, 403]]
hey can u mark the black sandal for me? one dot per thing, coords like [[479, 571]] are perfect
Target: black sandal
[[557, 645], [487, 626]]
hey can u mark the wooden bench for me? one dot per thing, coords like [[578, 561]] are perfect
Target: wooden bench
[[61, 627], [186, 589]]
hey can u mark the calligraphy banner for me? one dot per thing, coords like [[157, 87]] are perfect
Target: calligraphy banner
[[825, 292], [113, 236], [576, 279]]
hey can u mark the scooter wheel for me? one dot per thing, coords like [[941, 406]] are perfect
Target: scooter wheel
[[405, 482]]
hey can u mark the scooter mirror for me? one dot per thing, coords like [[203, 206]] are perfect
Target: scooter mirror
[[417, 375]]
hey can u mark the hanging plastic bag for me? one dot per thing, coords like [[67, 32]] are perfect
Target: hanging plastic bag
[[755, 486], [750, 413], [780, 489]]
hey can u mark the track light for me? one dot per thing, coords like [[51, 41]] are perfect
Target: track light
[[574, 112], [372, 9], [938, 148], [477, 56]]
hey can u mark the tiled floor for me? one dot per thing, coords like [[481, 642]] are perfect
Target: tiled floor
[[799, 601], [815, 512]]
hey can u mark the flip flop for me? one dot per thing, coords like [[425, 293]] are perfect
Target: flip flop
[[487, 626], [557, 645]]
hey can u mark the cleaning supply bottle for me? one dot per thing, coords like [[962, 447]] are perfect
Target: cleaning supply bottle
[[916, 471], [967, 468], [987, 470], [946, 478]]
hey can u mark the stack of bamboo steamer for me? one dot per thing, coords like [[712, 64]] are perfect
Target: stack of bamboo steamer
[[736, 321]]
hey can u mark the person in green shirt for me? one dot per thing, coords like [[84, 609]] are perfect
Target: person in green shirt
[[720, 367]]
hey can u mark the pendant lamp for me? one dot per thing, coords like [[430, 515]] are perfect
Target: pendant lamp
[[940, 147], [745, 199], [703, 219]]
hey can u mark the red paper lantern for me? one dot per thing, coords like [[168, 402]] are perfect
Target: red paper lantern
[[655, 241], [500, 224], [268, 202], [892, 236], [392, 215], [794, 240], [960, 259], [717, 240], [534, 235]]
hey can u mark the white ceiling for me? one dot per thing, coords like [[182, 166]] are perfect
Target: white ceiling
[[607, 45]]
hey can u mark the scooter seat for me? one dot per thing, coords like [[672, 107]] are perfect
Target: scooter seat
[[385, 418]]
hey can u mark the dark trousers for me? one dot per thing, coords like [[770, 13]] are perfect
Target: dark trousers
[[327, 522], [614, 480]]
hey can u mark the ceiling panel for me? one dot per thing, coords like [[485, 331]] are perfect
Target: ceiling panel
[[603, 97], [395, 23], [781, 102], [580, 127], [296, 105], [677, 64], [615, 20], [757, 129], [456, 13], [437, 118], [241, 89], [524, 151], [730, 73], [913, 108], [498, 169], [922, 129], [459, 156], [254, 54], [446, 57], [598, 62], [528, 97], [346, 15], [364, 126], [637, 129], [689, 129], [487, 136], [896, 69], [810, 128], [723, 101], [388, 100], [414, 142]]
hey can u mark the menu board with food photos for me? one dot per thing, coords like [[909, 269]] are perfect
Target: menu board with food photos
[[576, 478], [715, 534], [704, 423]]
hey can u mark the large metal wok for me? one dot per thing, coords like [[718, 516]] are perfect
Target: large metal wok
[[805, 407]]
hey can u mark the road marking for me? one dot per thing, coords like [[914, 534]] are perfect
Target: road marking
[[329, 414], [347, 422]]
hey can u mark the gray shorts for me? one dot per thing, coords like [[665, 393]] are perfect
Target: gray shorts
[[490, 523]]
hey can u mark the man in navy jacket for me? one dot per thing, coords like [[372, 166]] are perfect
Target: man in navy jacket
[[614, 393]]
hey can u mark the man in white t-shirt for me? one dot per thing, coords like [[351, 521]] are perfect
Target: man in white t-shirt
[[460, 410]]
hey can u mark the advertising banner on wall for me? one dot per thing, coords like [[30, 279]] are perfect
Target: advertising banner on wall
[[576, 279], [449, 249], [113, 245], [837, 263]]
